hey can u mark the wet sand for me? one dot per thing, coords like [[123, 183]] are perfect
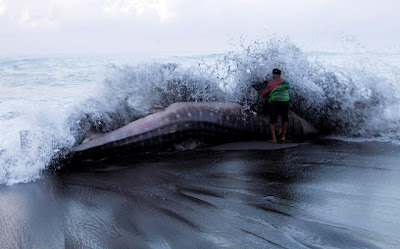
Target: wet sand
[[324, 194]]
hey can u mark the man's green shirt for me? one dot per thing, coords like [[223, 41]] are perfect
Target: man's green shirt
[[280, 93]]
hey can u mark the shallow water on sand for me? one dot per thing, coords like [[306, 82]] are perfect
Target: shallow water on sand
[[326, 194]]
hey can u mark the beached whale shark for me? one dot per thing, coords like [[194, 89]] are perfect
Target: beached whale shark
[[208, 122]]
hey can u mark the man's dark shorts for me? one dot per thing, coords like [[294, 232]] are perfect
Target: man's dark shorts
[[278, 108]]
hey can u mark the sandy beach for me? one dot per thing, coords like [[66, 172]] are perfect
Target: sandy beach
[[323, 194]]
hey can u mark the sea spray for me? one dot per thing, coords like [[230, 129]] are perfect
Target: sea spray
[[129, 91], [31, 142], [355, 100]]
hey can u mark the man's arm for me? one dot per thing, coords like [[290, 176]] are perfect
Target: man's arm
[[271, 86], [261, 90]]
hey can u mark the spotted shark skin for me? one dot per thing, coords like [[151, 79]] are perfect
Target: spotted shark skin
[[213, 122]]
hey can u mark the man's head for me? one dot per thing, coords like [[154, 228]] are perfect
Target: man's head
[[276, 73]]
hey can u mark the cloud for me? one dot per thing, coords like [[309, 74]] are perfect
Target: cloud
[[28, 14], [25, 16], [115, 8], [2, 7]]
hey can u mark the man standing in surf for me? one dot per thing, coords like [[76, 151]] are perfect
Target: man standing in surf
[[278, 97]]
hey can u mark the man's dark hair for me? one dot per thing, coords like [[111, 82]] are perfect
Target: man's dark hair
[[276, 71]]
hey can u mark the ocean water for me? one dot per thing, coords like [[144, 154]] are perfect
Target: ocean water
[[49, 103]]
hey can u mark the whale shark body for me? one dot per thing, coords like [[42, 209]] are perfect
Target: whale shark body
[[209, 122]]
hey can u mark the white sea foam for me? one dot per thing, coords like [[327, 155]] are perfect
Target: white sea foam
[[47, 104]]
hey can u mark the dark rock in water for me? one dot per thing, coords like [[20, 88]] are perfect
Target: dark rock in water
[[208, 122]]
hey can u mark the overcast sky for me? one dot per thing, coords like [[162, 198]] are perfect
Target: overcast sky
[[176, 27]]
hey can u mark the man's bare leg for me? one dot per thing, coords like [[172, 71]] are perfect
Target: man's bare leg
[[284, 129], [273, 135]]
